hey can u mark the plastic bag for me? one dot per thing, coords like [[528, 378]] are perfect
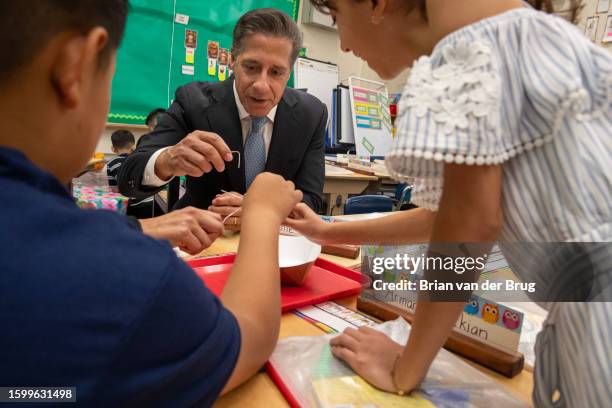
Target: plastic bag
[[315, 378]]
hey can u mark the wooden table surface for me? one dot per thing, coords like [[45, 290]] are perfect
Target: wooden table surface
[[260, 391]]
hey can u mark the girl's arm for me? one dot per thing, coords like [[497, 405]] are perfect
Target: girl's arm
[[469, 211], [412, 226]]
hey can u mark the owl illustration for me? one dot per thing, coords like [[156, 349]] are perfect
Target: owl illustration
[[388, 276], [471, 307], [490, 313], [511, 320]]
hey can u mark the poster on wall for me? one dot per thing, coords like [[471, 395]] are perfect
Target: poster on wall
[[371, 118], [607, 37], [591, 28], [603, 6]]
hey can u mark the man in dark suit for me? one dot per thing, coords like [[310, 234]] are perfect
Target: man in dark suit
[[221, 135]]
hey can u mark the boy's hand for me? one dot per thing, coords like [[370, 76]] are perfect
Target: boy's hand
[[226, 204], [308, 223], [190, 229], [270, 197], [193, 156]]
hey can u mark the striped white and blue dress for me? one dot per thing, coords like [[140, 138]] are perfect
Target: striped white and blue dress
[[527, 91]]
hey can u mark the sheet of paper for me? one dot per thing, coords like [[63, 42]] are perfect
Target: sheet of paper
[[335, 316], [353, 391], [188, 70], [181, 18]]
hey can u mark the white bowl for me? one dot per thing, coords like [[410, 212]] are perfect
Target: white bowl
[[296, 255]]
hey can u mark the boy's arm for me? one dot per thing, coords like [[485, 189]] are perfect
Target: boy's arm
[[252, 293]]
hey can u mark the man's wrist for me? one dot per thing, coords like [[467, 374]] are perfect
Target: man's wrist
[[162, 168]]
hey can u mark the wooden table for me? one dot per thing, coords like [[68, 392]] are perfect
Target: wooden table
[[260, 391]]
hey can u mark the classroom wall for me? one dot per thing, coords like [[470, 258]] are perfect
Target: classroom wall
[[589, 10], [324, 45], [321, 44]]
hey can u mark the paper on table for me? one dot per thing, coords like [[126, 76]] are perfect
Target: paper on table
[[334, 316], [353, 391]]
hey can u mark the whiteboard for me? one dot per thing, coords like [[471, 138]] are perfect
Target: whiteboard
[[319, 78]]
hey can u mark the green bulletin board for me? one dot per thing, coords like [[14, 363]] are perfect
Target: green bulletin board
[[152, 60]]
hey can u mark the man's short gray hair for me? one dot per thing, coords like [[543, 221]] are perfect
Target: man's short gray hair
[[270, 22]]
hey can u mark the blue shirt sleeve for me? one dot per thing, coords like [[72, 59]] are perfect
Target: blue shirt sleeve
[[181, 351]]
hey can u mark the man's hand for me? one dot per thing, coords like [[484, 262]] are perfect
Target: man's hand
[[198, 153], [190, 229], [229, 207]]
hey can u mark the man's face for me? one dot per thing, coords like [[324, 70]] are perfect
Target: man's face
[[261, 72]]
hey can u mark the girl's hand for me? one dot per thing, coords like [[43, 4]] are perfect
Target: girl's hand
[[270, 197], [308, 223], [370, 353]]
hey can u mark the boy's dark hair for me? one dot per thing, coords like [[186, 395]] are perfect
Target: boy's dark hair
[[122, 139], [28, 25], [267, 21], [154, 113]]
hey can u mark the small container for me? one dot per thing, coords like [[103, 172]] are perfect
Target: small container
[[296, 256]]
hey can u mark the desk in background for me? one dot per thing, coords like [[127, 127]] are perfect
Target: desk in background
[[341, 182], [260, 391]]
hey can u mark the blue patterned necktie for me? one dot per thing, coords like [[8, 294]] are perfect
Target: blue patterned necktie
[[255, 150]]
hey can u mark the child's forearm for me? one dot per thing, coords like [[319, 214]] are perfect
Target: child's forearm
[[402, 227], [470, 212], [432, 324], [254, 285], [252, 294]]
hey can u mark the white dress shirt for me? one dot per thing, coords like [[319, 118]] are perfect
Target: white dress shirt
[[150, 179]]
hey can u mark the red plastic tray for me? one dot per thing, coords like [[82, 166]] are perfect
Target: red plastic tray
[[326, 281]]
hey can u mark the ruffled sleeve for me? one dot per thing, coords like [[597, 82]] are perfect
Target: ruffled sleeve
[[493, 91], [449, 113]]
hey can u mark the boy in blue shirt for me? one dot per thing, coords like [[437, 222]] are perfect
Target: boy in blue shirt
[[86, 301]]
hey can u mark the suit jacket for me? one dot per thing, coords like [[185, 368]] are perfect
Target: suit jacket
[[296, 152]]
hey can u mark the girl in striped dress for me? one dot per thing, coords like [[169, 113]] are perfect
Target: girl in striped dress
[[505, 132]]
